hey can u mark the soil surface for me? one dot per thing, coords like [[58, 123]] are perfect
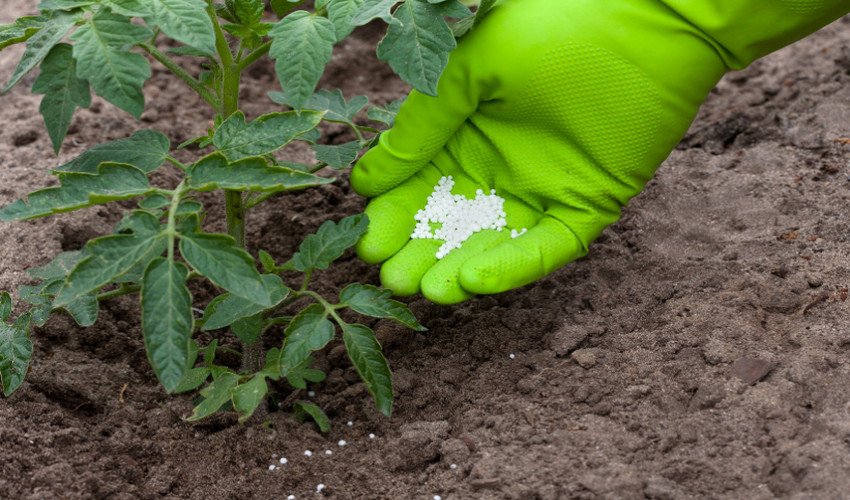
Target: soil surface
[[701, 350]]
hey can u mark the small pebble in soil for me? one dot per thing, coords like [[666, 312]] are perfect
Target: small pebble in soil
[[453, 466], [342, 442], [308, 453], [312, 394], [283, 460], [349, 423], [438, 497], [290, 497], [328, 452], [272, 467], [512, 356], [371, 436], [320, 487]]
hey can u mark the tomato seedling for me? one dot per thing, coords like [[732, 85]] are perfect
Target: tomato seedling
[[105, 47]]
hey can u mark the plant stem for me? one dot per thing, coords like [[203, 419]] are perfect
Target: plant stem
[[254, 56], [235, 208], [235, 211], [181, 73], [252, 355], [171, 229], [118, 292]]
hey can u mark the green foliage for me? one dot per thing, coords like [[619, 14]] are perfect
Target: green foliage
[[309, 331], [305, 409], [114, 181], [63, 92], [302, 44], [167, 320], [387, 114], [145, 150], [377, 303], [365, 353], [21, 30], [110, 257], [226, 309], [180, 20], [319, 250], [39, 44], [340, 156], [115, 73], [15, 348], [417, 46], [217, 257], [249, 174], [236, 139], [159, 249]]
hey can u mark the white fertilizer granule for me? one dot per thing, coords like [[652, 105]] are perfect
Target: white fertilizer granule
[[459, 217]]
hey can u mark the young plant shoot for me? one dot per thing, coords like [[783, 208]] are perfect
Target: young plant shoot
[[106, 47]]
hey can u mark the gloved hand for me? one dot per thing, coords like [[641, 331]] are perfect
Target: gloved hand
[[566, 108]]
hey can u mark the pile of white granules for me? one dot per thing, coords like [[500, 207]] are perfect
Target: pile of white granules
[[459, 217]]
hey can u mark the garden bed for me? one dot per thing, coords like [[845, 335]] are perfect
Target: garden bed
[[701, 349]]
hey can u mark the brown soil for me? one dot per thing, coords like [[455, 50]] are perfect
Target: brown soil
[[701, 350]]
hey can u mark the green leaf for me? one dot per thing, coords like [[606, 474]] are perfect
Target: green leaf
[[298, 376], [236, 139], [185, 21], [452, 8], [309, 331], [377, 303], [21, 30], [227, 308], [247, 397], [418, 48], [58, 268], [84, 310], [167, 320], [250, 174], [374, 9], [465, 25], [63, 92], [39, 45], [15, 353], [333, 103], [339, 156], [281, 7], [115, 73], [113, 182], [266, 259], [5, 306], [246, 12], [216, 395], [209, 353], [302, 44], [155, 201], [248, 330], [341, 12], [304, 409], [217, 257], [129, 8], [385, 115], [145, 150], [318, 250], [42, 304], [365, 353], [64, 4], [110, 257], [192, 380]]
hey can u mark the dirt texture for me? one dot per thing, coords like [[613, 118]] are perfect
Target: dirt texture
[[701, 350]]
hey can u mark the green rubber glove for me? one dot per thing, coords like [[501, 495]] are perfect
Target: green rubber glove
[[566, 108]]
